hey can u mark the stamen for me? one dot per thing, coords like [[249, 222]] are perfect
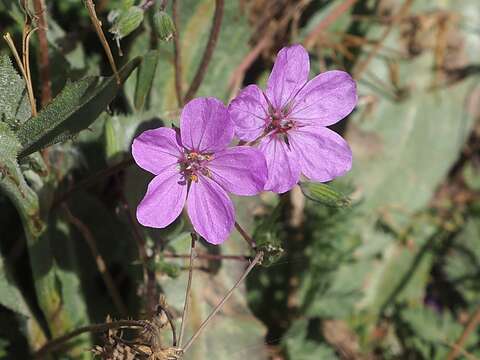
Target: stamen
[[195, 164], [193, 178]]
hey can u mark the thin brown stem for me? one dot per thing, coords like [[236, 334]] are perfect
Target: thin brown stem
[[218, 257], [187, 292], [60, 341], [251, 242], [163, 307], [471, 326], [208, 53], [177, 53], [44, 61], [101, 266], [24, 72], [27, 33], [93, 179], [258, 258], [327, 21], [98, 29]]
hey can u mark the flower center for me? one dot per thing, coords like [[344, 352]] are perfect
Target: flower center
[[194, 164], [280, 122]]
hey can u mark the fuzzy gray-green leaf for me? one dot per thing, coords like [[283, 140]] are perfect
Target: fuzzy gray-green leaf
[[10, 296], [78, 106], [14, 107]]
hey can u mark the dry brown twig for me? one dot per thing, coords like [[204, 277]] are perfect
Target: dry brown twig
[[98, 29], [362, 66], [23, 62]]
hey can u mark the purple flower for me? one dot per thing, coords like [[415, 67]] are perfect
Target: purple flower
[[196, 167], [291, 118]]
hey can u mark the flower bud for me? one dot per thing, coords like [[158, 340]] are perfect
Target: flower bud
[[164, 26], [126, 22]]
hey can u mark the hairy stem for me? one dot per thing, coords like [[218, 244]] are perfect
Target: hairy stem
[[98, 29]]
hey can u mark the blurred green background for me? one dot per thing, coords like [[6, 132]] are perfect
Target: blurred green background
[[382, 264]]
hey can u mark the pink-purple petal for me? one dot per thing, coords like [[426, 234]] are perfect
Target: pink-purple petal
[[205, 125], [164, 199], [155, 150], [288, 76], [241, 170], [210, 210], [322, 153], [325, 99], [249, 113], [282, 163]]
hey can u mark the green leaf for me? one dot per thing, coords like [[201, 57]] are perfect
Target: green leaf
[[14, 105], [161, 266], [10, 296], [78, 106], [463, 261], [299, 346], [57, 291], [403, 272], [146, 74], [432, 333], [324, 194], [402, 153], [9, 144]]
